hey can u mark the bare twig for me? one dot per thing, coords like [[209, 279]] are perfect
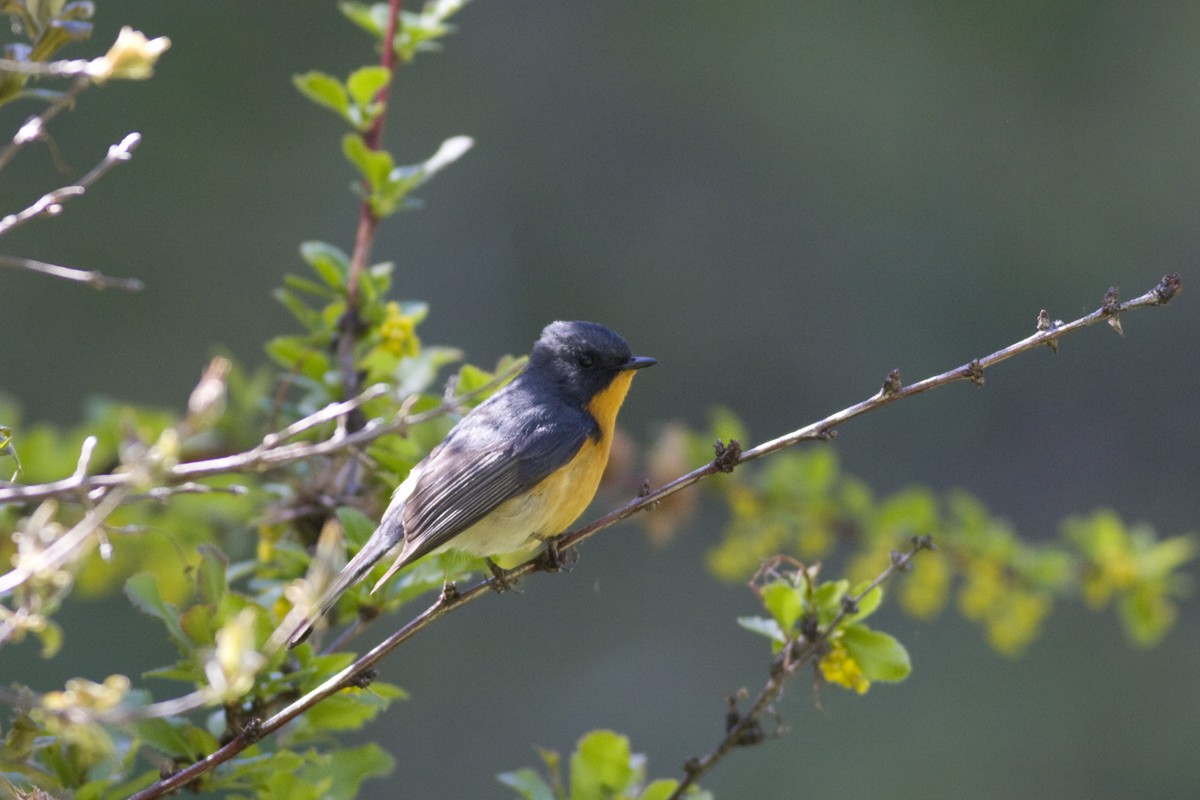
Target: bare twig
[[728, 457], [97, 280], [51, 205], [796, 653], [35, 127], [66, 68], [65, 546]]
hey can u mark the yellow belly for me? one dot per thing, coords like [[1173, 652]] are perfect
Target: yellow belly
[[551, 506]]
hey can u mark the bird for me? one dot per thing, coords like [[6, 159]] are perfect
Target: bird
[[516, 470]]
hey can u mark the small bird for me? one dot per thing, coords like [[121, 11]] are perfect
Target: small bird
[[517, 470]]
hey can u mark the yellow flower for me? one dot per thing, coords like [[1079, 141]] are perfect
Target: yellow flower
[[397, 333], [839, 667]]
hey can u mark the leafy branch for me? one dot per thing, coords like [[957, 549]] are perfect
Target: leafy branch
[[802, 638]]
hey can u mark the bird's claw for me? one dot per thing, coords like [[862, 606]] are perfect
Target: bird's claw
[[558, 560], [501, 580]]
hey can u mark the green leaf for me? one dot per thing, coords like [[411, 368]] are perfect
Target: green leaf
[[210, 575], [347, 769], [295, 353], [348, 711], [175, 738], [373, 165], [200, 623], [527, 784], [357, 526], [307, 286], [601, 766], [867, 605], [364, 84], [827, 598], [784, 602], [329, 262], [371, 17], [659, 790], [324, 90], [764, 627], [306, 316], [471, 378], [880, 656], [142, 591]]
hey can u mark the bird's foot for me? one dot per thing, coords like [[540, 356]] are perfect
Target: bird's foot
[[557, 560], [502, 579]]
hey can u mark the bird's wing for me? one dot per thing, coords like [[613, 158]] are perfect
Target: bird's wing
[[474, 471]]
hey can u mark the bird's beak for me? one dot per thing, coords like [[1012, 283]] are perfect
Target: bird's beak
[[638, 362]]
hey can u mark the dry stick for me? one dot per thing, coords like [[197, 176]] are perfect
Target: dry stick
[[361, 672], [35, 127], [50, 205]]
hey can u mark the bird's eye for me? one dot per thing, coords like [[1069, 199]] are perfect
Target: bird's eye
[[586, 360]]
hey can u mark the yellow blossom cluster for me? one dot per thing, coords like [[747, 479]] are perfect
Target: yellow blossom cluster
[[839, 667], [397, 332]]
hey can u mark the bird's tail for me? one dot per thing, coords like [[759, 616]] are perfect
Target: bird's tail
[[385, 537]]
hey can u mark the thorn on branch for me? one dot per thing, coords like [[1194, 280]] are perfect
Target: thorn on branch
[[974, 373], [1170, 285], [1045, 324], [727, 455], [364, 679], [891, 384], [1111, 309], [1112, 301], [750, 733], [252, 731]]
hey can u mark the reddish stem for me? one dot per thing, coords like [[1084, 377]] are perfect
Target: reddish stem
[[368, 222]]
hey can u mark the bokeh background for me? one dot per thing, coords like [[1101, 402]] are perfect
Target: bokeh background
[[780, 201]]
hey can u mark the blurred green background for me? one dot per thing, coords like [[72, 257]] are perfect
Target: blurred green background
[[779, 201]]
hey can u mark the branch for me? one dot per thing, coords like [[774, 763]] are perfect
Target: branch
[[795, 654], [361, 672], [35, 127], [97, 280], [51, 205]]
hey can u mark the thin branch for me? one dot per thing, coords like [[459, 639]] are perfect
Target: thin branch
[[728, 457], [795, 654], [35, 127], [273, 452], [50, 204], [90, 277], [67, 68], [65, 546]]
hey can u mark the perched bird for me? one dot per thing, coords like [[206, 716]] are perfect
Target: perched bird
[[517, 470]]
